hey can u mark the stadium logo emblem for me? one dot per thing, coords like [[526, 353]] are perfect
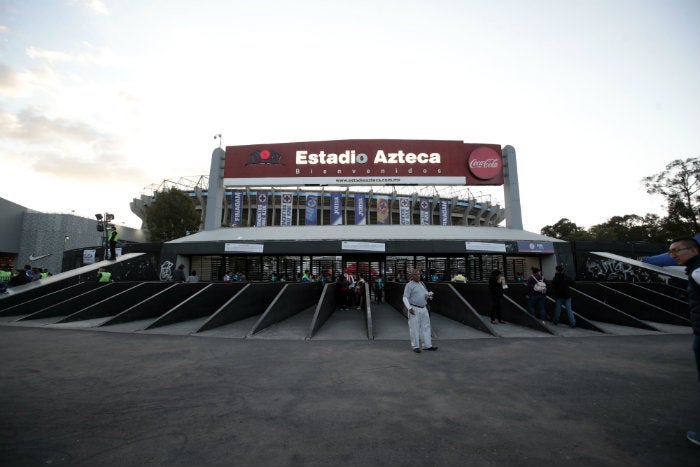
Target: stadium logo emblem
[[264, 156]]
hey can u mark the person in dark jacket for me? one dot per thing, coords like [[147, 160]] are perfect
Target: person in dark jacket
[[686, 252], [562, 295], [496, 285]]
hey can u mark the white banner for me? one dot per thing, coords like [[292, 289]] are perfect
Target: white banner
[[287, 198], [244, 247]]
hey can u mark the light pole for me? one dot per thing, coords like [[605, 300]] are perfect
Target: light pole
[[104, 226], [63, 256]]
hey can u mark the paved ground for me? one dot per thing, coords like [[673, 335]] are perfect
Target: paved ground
[[84, 397]]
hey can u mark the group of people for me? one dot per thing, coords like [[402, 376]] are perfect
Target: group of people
[[10, 278], [179, 275], [536, 295], [351, 290]]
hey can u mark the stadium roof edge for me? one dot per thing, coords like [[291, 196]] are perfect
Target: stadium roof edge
[[376, 233]]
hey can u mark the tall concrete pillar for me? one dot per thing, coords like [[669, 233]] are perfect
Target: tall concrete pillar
[[215, 196], [511, 189]]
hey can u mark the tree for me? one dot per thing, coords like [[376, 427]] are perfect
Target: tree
[[679, 183], [173, 215], [629, 228], [565, 230]]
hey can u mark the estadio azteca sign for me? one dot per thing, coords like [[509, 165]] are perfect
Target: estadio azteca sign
[[364, 162]]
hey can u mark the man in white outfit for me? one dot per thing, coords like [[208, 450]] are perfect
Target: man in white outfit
[[415, 299]]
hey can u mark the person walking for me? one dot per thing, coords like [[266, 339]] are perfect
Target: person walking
[[497, 282], [536, 295], [686, 252], [378, 289], [415, 299], [562, 296]]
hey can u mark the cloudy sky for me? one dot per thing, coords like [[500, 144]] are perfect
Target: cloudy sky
[[100, 99]]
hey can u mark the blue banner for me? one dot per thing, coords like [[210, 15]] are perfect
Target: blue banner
[[336, 208], [424, 211], [287, 200], [237, 208], [311, 208], [261, 212], [444, 212], [360, 210]]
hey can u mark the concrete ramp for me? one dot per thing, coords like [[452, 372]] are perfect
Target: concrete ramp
[[202, 304], [102, 291], [164, 300], [292, 299], [119, 302], [249, 300]]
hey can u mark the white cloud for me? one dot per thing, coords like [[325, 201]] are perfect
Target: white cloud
[[97, 7], [90, 54]]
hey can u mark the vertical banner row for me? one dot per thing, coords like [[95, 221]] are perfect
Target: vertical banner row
[[336, 209]]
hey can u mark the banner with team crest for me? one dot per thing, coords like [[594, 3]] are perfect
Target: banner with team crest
[[382, 210], [237, 208], [424, 204], [311, 208], [404, 211], [360, 210], [336, 208], [444, 212], [287, 200], [261, 212]]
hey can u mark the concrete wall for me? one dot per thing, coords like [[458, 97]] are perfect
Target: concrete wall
[[27, 234], [12, 215]]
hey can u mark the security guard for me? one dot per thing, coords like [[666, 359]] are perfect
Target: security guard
[[104, 276], [113, 238], [459, 277]]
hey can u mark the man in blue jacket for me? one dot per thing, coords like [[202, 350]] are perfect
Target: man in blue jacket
[[686, 252]]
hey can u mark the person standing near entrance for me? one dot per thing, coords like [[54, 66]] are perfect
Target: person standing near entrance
[[415, 299], [496, 285], [686, 252], [562, 295], [535, 295]]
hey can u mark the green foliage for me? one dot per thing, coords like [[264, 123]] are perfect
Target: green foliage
[[172, 216], [679, 183], [566, 230]]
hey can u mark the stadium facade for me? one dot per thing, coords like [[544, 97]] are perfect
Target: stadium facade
[[378, 206]]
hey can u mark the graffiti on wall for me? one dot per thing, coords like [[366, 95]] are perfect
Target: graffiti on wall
[[605, 269], [166, 271]]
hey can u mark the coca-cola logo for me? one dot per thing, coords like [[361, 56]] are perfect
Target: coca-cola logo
[[484, 163]]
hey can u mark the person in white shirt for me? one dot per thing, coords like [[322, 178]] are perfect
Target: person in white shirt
[[415, 299]]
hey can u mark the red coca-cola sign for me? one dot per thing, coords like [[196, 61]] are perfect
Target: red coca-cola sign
[[485, 163]]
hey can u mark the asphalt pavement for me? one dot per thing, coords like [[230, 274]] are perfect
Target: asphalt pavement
[[85, 397]]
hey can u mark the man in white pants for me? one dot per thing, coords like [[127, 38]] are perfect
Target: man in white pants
[[415, 299]]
